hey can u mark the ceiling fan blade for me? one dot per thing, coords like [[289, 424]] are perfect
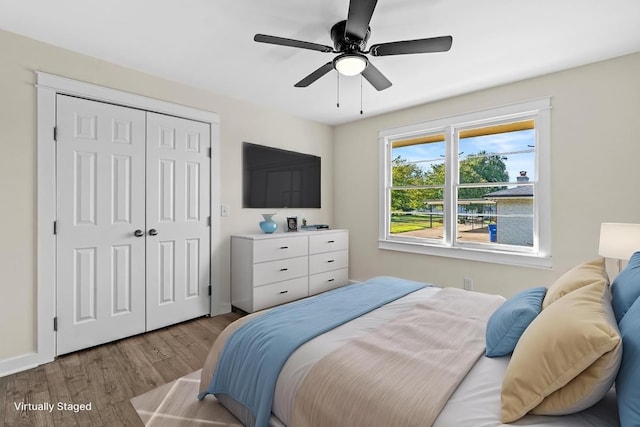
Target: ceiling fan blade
[[360, 12], [315, 75], [434, 44], [375, 77], [263, 38]]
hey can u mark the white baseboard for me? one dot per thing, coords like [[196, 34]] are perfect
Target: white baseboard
[[19, 364]]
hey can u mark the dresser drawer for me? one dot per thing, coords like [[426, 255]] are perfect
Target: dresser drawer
[[277, 271], [279, 248], [326, 281], [279, 293], [328, 261], [326, 241]]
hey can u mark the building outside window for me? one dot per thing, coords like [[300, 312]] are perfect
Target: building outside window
[[473, 186], [514, 214]]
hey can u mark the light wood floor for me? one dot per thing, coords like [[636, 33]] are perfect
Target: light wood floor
[[109, 375]]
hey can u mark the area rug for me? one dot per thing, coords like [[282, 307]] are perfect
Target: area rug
[[175, 404]]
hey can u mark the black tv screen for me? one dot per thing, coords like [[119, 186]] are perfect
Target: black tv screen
[[275, 178]]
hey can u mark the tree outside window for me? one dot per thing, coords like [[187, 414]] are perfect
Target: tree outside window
[[475, 186]]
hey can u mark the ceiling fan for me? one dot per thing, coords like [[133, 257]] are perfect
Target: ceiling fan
[[350, 40]]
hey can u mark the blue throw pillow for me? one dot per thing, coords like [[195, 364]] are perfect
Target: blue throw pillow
[[507, 323], [625, 288], [628, 379]]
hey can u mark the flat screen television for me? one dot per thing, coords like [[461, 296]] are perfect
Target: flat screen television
[[275, 178]]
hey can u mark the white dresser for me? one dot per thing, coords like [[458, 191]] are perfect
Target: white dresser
[[271, 269]]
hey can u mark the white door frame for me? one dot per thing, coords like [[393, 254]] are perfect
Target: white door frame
[[48, 86]]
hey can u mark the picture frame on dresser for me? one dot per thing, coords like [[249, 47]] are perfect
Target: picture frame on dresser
[[292, 223], [273, 269]]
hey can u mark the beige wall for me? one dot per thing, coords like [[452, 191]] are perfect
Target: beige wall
[[240, 121], [595, 147]]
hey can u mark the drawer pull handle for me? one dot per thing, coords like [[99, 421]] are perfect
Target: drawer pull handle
[[283, 269], [284, 247], [332, 260], [331, 241], [283, 292], [331, 280]]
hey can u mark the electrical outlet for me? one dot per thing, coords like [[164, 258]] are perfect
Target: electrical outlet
[[468, 283]]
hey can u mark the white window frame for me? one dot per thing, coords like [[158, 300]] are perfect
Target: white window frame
[[539, 255]]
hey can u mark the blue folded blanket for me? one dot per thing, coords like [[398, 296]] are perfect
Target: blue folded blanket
[[253, 356]]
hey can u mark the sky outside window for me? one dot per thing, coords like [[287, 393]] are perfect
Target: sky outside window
[[517, 149]]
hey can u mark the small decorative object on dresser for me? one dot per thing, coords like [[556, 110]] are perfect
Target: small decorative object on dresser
[[268, 225], [292, 223], [271, 269]]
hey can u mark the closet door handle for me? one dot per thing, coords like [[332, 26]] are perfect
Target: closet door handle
[[153, 232], [138, 233]]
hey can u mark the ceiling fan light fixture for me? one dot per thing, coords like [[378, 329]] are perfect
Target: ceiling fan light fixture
[[350, 64]]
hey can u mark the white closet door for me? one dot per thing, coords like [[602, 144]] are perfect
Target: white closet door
[[178, 208], [100, 205]]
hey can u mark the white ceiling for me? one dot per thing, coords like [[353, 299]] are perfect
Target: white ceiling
[[209, 44]]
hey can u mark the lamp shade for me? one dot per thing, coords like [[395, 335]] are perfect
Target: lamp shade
[[618, 240], [350, 64]]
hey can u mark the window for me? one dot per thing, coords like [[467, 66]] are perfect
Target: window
[[474, 186]]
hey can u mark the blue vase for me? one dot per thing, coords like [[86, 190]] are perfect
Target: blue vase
[[268, 226]]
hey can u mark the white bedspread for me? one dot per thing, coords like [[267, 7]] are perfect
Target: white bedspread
[[476, 403]]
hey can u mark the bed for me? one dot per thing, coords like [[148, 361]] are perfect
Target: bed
[[416, 358]]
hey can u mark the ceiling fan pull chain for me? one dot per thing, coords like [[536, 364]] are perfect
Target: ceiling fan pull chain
[[338, 91], [361, 94]]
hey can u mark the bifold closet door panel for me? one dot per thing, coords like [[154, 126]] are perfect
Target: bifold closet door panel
[[100, 186], [178, 209]]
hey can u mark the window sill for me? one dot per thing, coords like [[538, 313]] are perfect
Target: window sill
[[470, 254]]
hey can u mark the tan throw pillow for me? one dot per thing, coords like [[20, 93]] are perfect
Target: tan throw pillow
[[579, 276], [567, 359]]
